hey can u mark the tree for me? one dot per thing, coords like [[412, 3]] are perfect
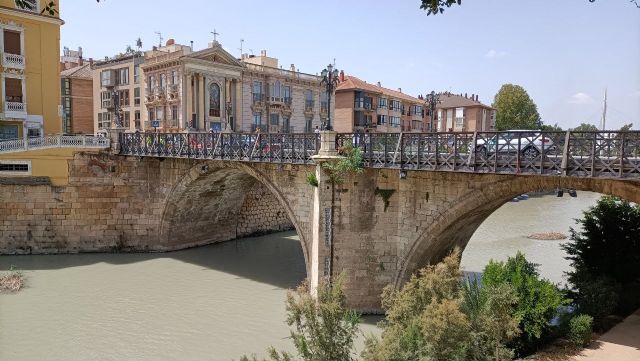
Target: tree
[[49, 8], [538, 299], [551, 128], [626, 127], [515, 109], [605, 256], [437, 6], [324, 328], [585, 127]]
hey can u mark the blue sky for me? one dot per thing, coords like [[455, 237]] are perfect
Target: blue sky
[[563, 52]]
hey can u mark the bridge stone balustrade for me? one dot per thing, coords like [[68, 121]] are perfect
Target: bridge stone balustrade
[[177, 198]]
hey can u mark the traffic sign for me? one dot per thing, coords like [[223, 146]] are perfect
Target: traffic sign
[[155, 123]]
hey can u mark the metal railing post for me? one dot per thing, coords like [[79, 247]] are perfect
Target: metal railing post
[[565, 154]]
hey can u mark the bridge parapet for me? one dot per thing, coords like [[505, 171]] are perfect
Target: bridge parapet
[[54, 141], [605, 154]]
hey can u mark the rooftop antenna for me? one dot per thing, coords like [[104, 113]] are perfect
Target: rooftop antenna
[[241, 42], [159, 38]]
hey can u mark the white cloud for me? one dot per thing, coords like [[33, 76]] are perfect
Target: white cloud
[[580, 98], [496, 53]]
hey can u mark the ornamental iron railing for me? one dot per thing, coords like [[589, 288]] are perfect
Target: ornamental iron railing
[[54, 141], [605, 154], [274, 148]]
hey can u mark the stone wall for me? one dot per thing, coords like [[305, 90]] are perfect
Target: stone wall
[[261, 213]]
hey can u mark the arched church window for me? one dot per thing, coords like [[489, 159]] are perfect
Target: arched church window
[[214, 100]]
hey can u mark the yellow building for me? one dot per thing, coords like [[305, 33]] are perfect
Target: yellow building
[[29, 69]]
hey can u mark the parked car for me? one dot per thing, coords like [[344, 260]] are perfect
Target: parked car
[[529, 143]]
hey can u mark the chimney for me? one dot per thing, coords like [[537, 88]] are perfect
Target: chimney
[[465, 95], [80, 61], [477, 97], [263, 53], [91, 62], [191, 45], [379, 85], [341, 75], [400, 90], [293, 68]]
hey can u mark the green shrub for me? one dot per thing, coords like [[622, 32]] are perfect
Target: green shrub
[[538, 299], [312, 180], [580, 329], [605, 256]]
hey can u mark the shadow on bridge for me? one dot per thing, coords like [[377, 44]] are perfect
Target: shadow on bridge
[[274, 259]]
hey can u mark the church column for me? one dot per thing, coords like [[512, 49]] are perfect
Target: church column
[[201, 115], [186, 100]]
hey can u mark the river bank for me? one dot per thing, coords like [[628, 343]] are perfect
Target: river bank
[[215, 302]]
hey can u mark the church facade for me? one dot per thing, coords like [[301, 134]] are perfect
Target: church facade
[[211, 90]]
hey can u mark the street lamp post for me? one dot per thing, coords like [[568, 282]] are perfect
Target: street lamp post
[[330, 82], [433, 99]]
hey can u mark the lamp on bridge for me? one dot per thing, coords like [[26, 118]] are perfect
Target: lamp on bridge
[[330, 82]]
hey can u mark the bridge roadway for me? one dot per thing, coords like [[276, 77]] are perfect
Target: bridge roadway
[[580, 154]]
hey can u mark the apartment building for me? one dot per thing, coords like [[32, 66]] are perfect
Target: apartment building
[[77, 98], [463, 113], [118, 92], [210, 89], [361, 106], [280, 100], [29, 75]]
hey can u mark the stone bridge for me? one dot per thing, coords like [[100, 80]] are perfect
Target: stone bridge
[[161, 193]]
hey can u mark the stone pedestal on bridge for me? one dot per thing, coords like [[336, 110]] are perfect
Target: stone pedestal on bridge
[[115, 135]]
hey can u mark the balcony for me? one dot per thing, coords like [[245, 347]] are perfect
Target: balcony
[[159, 93], [173, 93], [15, 110], [13, 61]]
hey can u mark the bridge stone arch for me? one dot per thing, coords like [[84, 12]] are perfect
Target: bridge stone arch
[[456, 223], [204, 206]]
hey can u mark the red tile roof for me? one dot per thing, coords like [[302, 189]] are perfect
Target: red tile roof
[[353, 83], [448, 100]]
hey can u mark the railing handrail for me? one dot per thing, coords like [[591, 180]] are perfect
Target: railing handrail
[[54, 141]]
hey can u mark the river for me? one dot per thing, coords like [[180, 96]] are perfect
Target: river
[[216, 302]]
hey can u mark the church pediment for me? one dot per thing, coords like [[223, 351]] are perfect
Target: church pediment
[[216, 54]]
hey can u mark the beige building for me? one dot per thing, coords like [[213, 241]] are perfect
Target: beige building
[[118, 93], [461, 113], [361, 106], [210, 89]]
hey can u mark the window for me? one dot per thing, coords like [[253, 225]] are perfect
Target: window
[[395, 105], [174, 112], [459, 117], [214, 100], [257, 118], [152, 114], [395, 121], [174, 77], [106, 78], [308, 99], [275, 90], [257, 87], [136, 96], [159, 113], [136, 74], [66, 87], [324, 102], [123, 76], [126, 119], [286, 93], [151, 82], [163, 81], [123, 97], [104, 120], [12, 43], [274, 119], [382, 103], [106, 99], [416, 110], [34, 132], [382, 119], [7, 166], [136, 119]]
